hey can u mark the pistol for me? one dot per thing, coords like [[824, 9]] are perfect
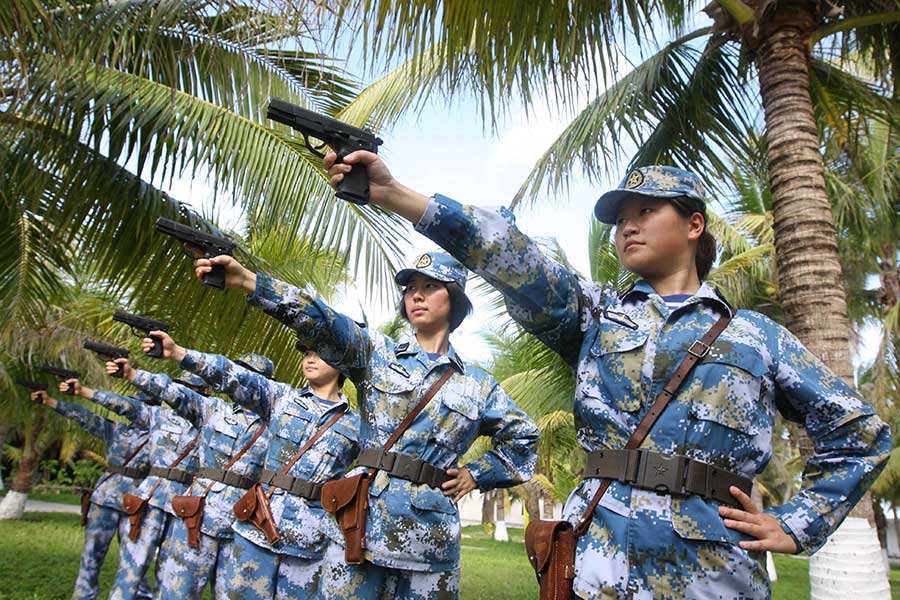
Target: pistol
[[107, 352], [138, 323], [31, 386], [342, 138], [61, 375], [210, 245]]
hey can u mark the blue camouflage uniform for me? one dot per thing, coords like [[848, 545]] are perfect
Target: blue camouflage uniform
[[290, 568], [106, 517], [169, 436], [225, 428], [623, 349], [412, 530]]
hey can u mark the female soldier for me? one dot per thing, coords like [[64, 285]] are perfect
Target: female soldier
[[412, 532], [127, 455], [624, 348]]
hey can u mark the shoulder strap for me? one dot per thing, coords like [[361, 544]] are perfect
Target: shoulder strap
[[135, 453], [309, 443], [181, 457], [668, 392], [435, 387], [240, 453]]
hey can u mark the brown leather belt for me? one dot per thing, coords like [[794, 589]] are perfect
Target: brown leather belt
[[666, 473], [131, 472], [227, 477], [179, 475], [292, 485], [403, 466]]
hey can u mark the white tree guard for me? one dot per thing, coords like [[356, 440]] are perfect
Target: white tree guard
[[850, 565], [13, 505]]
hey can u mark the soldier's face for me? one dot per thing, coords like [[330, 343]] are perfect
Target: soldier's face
[[652, 239], [317, 371], [427, 303]]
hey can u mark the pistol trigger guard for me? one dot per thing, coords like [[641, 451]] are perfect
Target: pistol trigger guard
[[314, 149]]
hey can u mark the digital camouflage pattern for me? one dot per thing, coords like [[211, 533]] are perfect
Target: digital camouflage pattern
[[370, 582], [411, 526], [136, 556], [104, 516], [258, 363], [293, 416], [257, 573], [656, 180], [623, 349], [224, 428], [169, 436], [121, 440], [437, 265]]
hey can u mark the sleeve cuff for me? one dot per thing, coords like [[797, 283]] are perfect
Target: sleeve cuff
[[785, 520], [428, 217], [191, 361], [482, 475], [263, 289]]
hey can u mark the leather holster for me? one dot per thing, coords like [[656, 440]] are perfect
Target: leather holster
[[85, 505], [348, 500], [135, 507], [254, 507], [551, 551], [190, 509]]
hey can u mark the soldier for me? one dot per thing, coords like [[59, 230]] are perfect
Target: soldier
[[688, 542], [172, 462], [127, 459], [230, 451], [288, 567], [412, 529]]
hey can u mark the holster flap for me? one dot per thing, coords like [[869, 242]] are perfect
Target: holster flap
[[244, 508], [339, 493], [187, 506], [539, 541], [133, 504]]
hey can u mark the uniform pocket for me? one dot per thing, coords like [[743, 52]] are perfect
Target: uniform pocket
[[726, 388], [620, 352], [426, 498]]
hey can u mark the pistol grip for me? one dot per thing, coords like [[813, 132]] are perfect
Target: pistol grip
[[355, 186], [70, 391], [157, 350], [121, 372], [215, 278]]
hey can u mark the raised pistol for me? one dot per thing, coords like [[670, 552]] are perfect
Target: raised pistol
[[108, 353], [138, 323], [32, 386], [62, 375], [210, 245], [341, 137]]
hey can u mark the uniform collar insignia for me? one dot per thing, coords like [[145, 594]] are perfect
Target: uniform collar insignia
[[398, 368]]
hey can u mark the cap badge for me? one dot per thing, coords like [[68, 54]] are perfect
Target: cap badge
[[635, 180], [424, 261]]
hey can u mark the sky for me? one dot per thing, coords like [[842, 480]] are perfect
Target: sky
[[445, 148]]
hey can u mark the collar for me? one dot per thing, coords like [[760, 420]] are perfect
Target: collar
[[409, 346], [307, 392], [707, 293]]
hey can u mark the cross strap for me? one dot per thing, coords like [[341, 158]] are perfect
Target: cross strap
[[309, 444], [236, 457], [698, 349], [435, 387], [177, 461]]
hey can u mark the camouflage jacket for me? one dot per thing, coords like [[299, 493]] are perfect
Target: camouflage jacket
[[624, 348], [224, 428], [411, 526], [122, 441], [169, 436], [293, 416]]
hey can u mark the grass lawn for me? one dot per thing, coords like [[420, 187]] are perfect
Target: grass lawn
[[39, 561], [62, 497]]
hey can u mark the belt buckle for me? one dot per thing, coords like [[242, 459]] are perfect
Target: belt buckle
[[662, 473], [386, 460], [408, 469], [701, 353]]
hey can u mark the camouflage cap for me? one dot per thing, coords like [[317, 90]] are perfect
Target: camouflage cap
[[257, 363], [188, 378], [437, 265], [658, 181]]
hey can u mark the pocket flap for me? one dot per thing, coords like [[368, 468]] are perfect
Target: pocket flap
[[338, 493], [244, 508], [539, 541], [132, 504], [187, 506]]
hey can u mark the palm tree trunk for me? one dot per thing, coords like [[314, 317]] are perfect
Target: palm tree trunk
[[13, 504], [809, 269]]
